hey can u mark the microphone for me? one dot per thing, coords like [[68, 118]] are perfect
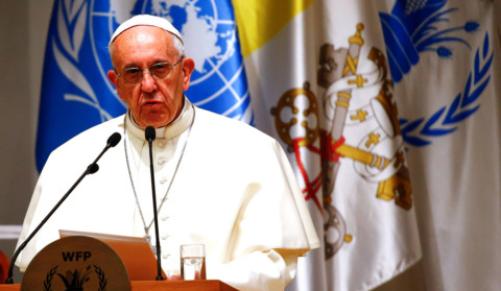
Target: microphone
[[112, 141], [150, 135]]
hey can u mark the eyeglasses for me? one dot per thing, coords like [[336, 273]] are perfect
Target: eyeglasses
[[160, 71]]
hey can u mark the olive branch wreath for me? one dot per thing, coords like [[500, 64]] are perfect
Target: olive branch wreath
[[102, 278], [71, 26], [47, 283], [445, 120]]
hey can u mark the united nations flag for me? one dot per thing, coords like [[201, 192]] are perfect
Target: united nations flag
[[75, 91]]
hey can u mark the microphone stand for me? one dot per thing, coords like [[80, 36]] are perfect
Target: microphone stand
[[150, 136], [91, 169]]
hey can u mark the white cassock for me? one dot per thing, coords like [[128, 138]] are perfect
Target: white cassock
[[231, 189]]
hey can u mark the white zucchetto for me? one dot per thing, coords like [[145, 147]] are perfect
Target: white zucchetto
[[145, 19]]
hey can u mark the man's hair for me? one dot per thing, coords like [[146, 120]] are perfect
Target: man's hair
[[178, 44]]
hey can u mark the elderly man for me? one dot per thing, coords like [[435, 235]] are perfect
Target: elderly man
[[220, 182]]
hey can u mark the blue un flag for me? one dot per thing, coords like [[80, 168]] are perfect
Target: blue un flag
[[76, 93]]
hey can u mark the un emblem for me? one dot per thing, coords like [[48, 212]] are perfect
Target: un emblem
[[218, 83]]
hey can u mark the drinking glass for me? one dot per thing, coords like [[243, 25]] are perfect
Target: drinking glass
[[193, 262]]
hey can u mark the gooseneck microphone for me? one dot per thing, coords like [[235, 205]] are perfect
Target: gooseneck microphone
[[112, 141], [150, 135]]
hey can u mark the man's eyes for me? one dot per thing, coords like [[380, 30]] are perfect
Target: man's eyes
[[132, 71], [160, 67]]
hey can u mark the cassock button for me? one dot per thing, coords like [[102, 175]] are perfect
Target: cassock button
[[164, 237], [163, 180], [165, 256], [164, 218]]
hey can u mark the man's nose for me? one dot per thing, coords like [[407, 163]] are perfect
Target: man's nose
[[148, 83]]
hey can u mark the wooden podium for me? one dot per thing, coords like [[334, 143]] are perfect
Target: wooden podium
[[202, 285], [90, 264]]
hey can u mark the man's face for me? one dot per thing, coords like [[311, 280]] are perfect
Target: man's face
[[151, 100]]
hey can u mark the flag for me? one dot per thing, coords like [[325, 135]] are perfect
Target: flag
[[320, 82], [442, 55], [76, 93]]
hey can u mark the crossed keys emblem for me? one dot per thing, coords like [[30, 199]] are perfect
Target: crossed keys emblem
[[310, 130]]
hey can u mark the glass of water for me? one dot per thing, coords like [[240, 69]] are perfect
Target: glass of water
[[193, 262]]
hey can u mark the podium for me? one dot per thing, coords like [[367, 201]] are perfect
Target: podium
[[201, 285], [88, 264]]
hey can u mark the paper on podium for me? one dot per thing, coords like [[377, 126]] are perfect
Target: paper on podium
[[135, 253]]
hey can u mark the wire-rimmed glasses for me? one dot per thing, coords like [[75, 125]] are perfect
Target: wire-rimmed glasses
[[159, 70]]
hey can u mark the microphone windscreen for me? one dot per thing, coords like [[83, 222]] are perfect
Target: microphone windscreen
[[114, 139], [149, 133]]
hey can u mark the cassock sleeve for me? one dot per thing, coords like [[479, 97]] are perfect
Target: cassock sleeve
[[274, 228], [38, 208]]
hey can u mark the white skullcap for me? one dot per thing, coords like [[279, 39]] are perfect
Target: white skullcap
[[145, 19]]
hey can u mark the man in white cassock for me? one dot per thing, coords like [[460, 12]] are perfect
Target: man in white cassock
[[219, 182]]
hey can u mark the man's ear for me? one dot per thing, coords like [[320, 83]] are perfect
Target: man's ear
[[113, 77], [188, 67]]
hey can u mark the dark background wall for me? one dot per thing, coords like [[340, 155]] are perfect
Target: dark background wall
[[23, 26]]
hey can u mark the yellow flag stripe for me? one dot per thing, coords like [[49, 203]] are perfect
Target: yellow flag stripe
[[260, 20]]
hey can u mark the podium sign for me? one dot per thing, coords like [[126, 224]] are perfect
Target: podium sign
[[201, 285], [76, 263]]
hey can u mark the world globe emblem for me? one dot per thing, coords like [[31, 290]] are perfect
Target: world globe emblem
[[218, 82]]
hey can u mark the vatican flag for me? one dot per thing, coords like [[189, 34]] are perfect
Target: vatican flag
[[320, 84]]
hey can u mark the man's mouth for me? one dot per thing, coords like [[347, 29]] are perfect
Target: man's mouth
[[151, 103]]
